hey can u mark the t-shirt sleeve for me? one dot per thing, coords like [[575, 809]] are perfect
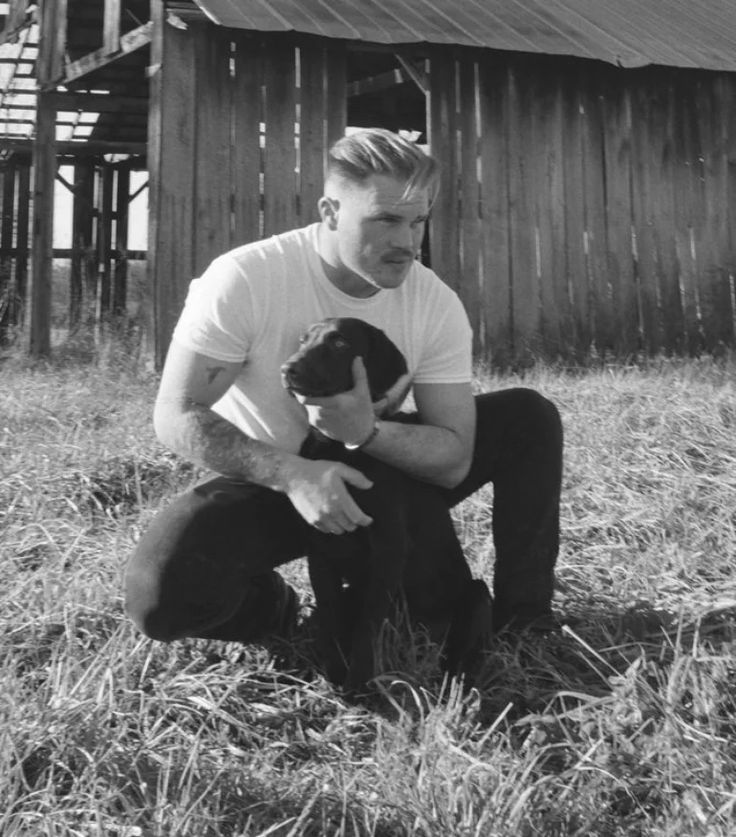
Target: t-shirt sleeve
[[218, 314], [446, 356]]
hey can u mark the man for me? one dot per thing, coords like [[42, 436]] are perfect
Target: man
[[205, 567]]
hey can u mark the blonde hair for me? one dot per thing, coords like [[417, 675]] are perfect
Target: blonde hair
[[370, 151]]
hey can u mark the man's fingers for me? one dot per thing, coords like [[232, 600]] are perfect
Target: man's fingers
[[396, 395], [352, 512], [354, 477], [360, 376]]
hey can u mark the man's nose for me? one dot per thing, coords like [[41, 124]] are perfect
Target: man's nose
[[404, 237]]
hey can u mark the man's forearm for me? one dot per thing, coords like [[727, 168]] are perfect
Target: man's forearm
[[431, 454], [199, 434]]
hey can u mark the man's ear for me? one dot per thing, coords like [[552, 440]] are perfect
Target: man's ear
[[328, 211]]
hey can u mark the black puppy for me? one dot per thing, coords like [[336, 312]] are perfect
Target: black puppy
[[409, 520], [371, 561]]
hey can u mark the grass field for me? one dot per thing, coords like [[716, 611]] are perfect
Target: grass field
[[623, 725]]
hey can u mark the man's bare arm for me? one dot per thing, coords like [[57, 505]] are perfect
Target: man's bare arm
[[438, 450], [185, 422]]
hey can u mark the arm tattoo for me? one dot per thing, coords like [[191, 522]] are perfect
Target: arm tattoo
[[212, 441], [213, 372]]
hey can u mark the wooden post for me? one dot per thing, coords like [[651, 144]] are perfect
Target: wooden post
[[22, 230], [120, 276], [44, 167], [104, 240], [7, 289], [82, 212], [111, 33], [171, 160]]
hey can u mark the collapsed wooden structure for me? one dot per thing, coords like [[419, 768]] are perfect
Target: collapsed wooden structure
[[584, 203]]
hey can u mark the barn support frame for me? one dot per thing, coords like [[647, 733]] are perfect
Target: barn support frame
[[52, 70]]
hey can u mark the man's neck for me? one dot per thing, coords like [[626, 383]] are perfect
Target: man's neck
[[337, 274]]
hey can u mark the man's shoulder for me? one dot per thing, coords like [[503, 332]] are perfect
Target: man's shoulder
[[282, 245], [425, 283]]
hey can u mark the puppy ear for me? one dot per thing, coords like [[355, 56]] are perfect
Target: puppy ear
[[385, 365]]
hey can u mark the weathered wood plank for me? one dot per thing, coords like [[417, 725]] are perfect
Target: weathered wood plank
[[663, 165], [713, 279], [246, 152], [523, 246], [686, 208], [212, 143], [312, 129], [469, 277], [548, 175], [337, 100], [279, 169], [574, 189], [442, 133], [496, 290], [171, 160], [594, 195], [620, 268], [644, 186]]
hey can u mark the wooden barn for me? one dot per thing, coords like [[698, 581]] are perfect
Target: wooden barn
[[588, 149]]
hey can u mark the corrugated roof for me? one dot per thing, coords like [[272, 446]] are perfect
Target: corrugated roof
[[629, 33]]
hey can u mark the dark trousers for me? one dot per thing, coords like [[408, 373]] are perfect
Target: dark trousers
[[204, 567]]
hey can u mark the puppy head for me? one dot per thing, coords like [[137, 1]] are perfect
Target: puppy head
[[322, 365]]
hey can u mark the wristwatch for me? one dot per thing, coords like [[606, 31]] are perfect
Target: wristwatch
[[369, 438]]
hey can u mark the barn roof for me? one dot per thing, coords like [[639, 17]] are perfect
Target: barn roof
[[628, 33]]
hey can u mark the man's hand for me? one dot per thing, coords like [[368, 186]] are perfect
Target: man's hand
[[318, 491], [349, 416]]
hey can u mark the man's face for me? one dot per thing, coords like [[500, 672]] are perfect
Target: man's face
[[378, 230]]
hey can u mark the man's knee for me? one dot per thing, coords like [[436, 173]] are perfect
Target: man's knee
[[538, 411], [143, 607]]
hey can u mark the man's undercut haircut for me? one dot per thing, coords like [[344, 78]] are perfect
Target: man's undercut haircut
[[372, 151]]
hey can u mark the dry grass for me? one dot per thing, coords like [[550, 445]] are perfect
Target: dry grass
[[624, 725]]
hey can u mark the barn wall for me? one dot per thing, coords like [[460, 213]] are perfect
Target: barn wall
[[582, 206], [585, 206], [238, 134]]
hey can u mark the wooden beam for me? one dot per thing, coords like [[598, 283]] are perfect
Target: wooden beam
[[15, 22], [81, 148], [99, 103], [377, 83], [129, 42], [419, 76], [111, 30], [44, 166]]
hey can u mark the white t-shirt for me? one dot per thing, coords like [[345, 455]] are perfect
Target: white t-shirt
[[253, 303]]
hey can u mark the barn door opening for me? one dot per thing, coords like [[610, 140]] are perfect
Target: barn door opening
[[387, 89]]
